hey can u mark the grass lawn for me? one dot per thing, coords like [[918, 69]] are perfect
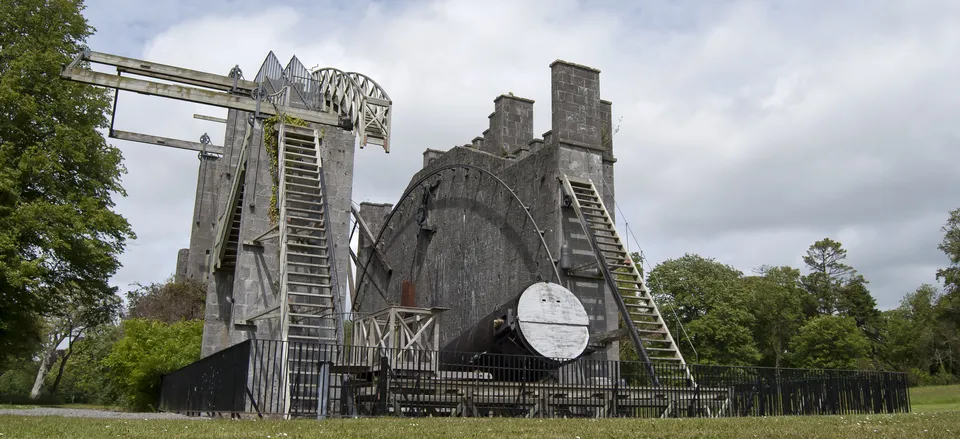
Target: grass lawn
[[936, 414], [64, 406], [935, 398], [944, 424]]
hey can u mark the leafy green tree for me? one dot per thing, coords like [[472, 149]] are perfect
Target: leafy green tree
[[710, 299], [777, 308], [950, 246], [829, 342], [825, 259], [68, 324], [17, 380], [169, 302], [57, 173], [948, 305], [919, 341], [86, 379], [146, 350]]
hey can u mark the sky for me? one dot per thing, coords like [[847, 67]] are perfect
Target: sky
[[747, 130]]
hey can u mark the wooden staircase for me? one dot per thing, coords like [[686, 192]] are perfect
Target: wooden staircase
[[309, 308], [647, 330]]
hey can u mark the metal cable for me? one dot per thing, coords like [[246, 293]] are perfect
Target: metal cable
[[644, 261]]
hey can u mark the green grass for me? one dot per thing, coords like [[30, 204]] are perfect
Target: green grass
[[935, 398], [936, 414], [944, 424], [64, 406]]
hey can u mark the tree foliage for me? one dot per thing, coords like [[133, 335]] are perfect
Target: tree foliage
[[86, 379], [710, 300], [57, 173], [950, 246], [146, 350], [824, 260], [777, 307], [170, 301], [68, 324], [829, 342]]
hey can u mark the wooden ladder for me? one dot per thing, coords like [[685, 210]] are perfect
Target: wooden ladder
[[647, 330], [309, 307]]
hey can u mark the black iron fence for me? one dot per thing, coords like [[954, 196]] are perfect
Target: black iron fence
[[296, 379], [213, 384]]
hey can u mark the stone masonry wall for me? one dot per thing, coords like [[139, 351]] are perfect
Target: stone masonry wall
[[477, 249], [217, 317]]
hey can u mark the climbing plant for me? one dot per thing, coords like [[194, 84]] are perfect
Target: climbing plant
[[270, 136]]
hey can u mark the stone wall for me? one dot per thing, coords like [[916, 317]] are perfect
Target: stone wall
[[217, 319], [254, 286], [475, 248]]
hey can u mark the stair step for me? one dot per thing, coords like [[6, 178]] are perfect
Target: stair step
[[310, 305], [310, 316], [312, 180], [303, 255], [308, 285], [322, 296], [318, 197], [317, 275], [299, 227], [322, 328], [313, 200], [294, 184], [297, 244], [288, 154], [301, 163]]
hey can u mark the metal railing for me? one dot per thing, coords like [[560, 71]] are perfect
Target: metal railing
[[364, 381], [213, 384]]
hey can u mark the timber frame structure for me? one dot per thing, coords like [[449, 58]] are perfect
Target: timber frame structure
[[361, 102]]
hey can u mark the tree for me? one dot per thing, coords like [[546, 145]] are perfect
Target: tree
[[147, 350], [825, 259], [919, 341], [710, 299], [69, 325], [169, 302], [950, 246], [829, 342], [87, 379], [777, 308], [57, 173], [948, 305]]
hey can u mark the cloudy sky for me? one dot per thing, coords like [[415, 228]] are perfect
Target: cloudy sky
[[749, 130]]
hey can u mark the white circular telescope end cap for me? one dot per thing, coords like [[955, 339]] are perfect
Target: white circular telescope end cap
[[553, 321]]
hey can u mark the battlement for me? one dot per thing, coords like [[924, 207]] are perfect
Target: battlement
[[579, 118]]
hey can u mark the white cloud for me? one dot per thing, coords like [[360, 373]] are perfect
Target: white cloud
[[749, 130]]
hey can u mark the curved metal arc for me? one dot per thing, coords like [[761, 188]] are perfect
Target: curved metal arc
[[543, 242], [376, 86], [358, 97]]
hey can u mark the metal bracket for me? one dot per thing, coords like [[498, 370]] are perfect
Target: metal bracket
[[236, 74], [271, 233], [269, 313]]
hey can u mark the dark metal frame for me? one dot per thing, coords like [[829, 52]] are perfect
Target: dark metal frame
[[246, 379]]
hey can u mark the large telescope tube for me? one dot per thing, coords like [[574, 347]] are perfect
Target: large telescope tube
[[526, 339]]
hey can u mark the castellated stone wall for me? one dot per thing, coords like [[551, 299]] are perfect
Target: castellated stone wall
[[467, 243]]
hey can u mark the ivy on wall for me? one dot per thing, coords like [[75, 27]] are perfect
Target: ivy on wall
[[271, 139]]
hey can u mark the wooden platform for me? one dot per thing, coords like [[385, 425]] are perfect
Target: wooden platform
[[478, 397]]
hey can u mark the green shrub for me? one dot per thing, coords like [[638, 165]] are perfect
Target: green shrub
[[146, 350], [16, 382], [917, 377]]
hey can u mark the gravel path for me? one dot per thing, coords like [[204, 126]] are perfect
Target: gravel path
[[89, 413]]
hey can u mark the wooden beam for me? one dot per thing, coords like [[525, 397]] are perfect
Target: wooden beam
[[209, 118], [166, 141], [193, 94], [163, 71]]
